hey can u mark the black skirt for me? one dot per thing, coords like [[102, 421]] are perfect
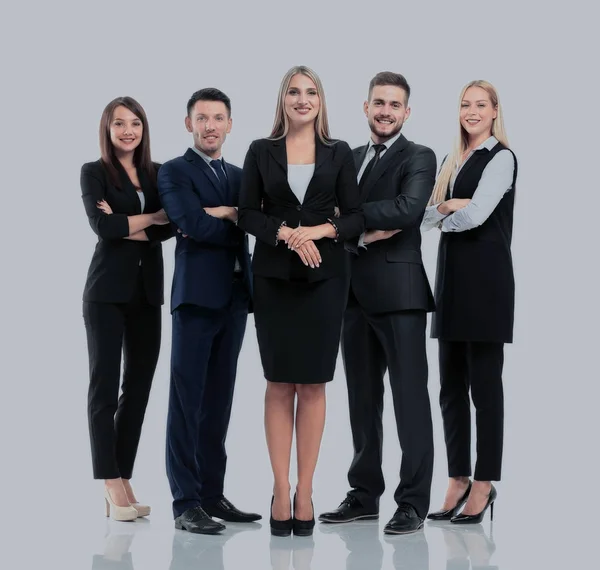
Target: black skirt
[[298, 325]]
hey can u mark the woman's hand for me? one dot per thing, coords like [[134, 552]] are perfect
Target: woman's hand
[[453, 205], [309, 254], [103, 205], [160, 218], [302, 234]]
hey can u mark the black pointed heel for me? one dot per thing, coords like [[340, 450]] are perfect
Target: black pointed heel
[[474, 519], [303, 528], [447, 515], [280, 528]]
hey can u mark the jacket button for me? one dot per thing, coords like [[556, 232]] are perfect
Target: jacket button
[[298, 207]]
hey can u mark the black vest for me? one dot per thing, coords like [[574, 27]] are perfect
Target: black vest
[[475, 289]]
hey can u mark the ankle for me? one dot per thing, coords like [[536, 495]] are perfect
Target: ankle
[[304, 492]]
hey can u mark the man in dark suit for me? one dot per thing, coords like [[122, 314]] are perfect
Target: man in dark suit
[[386, 316], [210, 299]]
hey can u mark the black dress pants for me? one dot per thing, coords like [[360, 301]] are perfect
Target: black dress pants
[[132, 331], [371, 344], [478, 366]]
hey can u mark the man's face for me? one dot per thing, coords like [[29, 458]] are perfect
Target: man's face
[[209, 122], [386, 111]]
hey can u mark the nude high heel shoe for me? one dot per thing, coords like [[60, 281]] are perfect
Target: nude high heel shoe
[[143, 510], [128, 513]]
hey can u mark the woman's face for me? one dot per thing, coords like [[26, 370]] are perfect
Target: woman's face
[[126, 130], [302, 101], [477, 113]]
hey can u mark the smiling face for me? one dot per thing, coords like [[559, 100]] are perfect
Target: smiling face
[[386, 111], [302, 102], [126, 130], [209, 122], [477, 113]]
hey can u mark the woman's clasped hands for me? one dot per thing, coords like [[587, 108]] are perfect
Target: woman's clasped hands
[[302, 241]]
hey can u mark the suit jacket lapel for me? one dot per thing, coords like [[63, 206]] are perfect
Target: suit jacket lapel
[[128, 187], [386, 160], [199, 162]]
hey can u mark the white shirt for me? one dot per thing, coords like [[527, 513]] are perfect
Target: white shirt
[[496, 180]]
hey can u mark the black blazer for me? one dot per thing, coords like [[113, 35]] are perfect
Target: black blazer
[[266, 201], [389, 275], [115, 264]]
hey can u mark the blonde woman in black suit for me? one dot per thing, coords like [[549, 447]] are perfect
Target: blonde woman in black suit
[[291, 184], [122, 297]]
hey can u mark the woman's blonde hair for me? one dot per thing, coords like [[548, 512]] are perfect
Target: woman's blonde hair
[[461, 143], [281, 125]]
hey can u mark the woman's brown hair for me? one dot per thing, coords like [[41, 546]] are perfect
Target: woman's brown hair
[[141, 156]]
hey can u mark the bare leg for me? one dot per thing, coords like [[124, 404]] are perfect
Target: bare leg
[[129, 491], [117, 492], [477, 497], [279, 427], [310, 422], [456, 489]]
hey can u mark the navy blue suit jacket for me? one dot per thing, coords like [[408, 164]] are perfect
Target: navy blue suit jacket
[[205, 259]]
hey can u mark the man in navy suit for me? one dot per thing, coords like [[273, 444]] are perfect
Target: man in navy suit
[[210, 300]]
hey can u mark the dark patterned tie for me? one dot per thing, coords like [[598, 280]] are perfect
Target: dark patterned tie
[[378, 148], [218, 168]]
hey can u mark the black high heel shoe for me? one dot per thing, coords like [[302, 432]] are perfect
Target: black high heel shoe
[[474, 519], [280, 528], [303, 528], [447, 515]]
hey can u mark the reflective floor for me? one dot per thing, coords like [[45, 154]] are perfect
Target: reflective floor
[[103, 544]]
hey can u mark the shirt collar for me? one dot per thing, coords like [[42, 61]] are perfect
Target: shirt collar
[[206, 158], [489, 143], [387, 143]]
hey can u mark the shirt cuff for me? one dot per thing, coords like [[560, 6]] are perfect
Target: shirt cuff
[[361, 241]]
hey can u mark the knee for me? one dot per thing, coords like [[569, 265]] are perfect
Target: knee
[[280, 392], [310, 392]]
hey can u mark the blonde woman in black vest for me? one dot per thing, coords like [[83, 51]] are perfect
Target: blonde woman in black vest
[[472, 204]]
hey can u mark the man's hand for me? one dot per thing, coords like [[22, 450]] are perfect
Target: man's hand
[[450, 206], [223, 213], [377, 235]]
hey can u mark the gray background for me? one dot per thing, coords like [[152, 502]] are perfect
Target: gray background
[[63, 61]]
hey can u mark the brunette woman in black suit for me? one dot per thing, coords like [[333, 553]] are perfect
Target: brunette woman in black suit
[[291, 184], [472, 204], [122, 297]]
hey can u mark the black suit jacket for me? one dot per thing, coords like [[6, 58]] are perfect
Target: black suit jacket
[[266, 201], [113, 271], [205, 259], [389, 275]]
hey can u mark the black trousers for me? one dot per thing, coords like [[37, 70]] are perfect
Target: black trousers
[[371, 344], [130, 331], [204, 356], [478, 366]]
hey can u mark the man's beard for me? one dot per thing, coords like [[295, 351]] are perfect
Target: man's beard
[[374, 129]]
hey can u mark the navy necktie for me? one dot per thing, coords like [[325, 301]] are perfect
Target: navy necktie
[[378, 148], [218, 168]]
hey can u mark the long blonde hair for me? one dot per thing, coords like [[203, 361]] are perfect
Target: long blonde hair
[[462, 141], [281, 125]]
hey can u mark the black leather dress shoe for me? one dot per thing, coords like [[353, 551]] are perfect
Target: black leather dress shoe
[[224, 510], [404, 521], [350, 509], [197, 521]]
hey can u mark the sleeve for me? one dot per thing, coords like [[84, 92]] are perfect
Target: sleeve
[[251, 218], [93, 189], [351, 222], [496, 180], [184, 208], [160, 233], [432, 218], [406, 210]]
